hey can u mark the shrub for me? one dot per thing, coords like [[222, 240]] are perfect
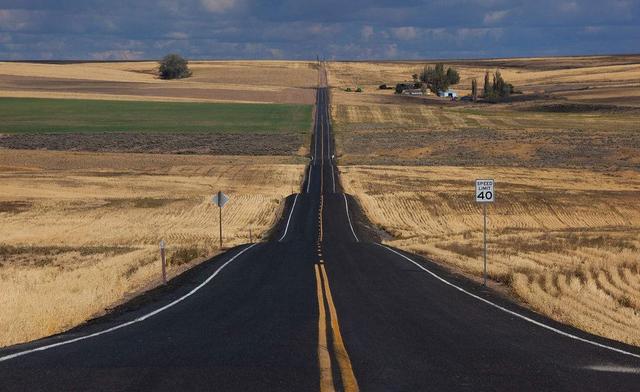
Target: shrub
[[184, 255], [173, 66]]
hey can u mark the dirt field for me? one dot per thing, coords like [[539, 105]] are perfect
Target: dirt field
[[596, 150], [212, 81], [163, 143], [567, 250], [79, 231]]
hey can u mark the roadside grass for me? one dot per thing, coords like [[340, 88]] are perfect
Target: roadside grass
[[41, 115]]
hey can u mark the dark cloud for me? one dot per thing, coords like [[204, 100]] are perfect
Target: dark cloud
[[356, 29]]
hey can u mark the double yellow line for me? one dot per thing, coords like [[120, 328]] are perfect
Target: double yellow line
[[349, 382]]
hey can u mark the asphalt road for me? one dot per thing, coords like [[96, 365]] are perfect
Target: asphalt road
[[321, 306]]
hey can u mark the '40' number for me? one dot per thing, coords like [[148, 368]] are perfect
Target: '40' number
[[488, 195]]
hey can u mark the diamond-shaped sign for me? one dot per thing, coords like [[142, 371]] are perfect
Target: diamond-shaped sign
[[220, 199]]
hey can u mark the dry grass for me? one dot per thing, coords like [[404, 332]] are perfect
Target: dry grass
[[588, 115], [566, 241], [557, 76], [79, 231], [212, 81]]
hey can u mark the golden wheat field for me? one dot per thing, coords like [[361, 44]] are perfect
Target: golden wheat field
[[565, 241], [579, 95], [212, 81], [79, 232]]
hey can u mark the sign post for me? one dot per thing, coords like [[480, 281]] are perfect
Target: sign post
[[220, 199], [164, 262], [485, 193]]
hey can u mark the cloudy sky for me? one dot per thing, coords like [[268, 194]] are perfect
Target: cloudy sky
[[300, 29]]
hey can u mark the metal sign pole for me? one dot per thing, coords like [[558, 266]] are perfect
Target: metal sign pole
[[485, 244], [220, 216], [485, 193]]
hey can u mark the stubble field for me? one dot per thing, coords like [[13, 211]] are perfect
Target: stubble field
[[564, 241], [565, 156], [79, 232]]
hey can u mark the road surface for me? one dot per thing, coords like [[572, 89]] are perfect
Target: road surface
[[321, 307]]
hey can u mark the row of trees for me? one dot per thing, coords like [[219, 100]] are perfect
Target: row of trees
[[493, 90]]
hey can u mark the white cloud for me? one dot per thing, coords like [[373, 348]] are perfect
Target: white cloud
[[276, 53], [593, 29], [117, 55], [465, 34], [322, 29], [367, 32], [218, 6], [391, 51], [568, 6], [405, 33], [14, 20], [495, 16], [178, 35]]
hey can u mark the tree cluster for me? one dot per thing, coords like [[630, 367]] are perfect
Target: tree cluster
[[438, 79], [498, 88], [173, 66]]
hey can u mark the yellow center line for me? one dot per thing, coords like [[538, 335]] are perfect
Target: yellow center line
[[349, 381], [324, 358]]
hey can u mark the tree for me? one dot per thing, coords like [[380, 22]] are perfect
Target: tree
[[499, 89], [487, 85], [474, 89], [173, 66], [437, 79]]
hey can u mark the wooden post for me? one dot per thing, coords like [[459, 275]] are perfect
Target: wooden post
[[164, 263], [220, 210]]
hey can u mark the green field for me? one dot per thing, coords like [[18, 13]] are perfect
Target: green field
[[21, 115]]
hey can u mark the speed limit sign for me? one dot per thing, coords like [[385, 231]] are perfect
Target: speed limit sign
[[485, 194], [484, 191]]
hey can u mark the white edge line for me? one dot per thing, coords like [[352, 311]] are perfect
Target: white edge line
[[523, 317], [135, 321], [333, 178], [309, 177], [286, 229], [315, 136], [346, 205], [326, 121]]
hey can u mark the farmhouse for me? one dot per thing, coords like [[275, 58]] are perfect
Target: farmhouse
[[448, 93]]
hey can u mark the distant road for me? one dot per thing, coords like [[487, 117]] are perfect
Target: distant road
[[322, 307]]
